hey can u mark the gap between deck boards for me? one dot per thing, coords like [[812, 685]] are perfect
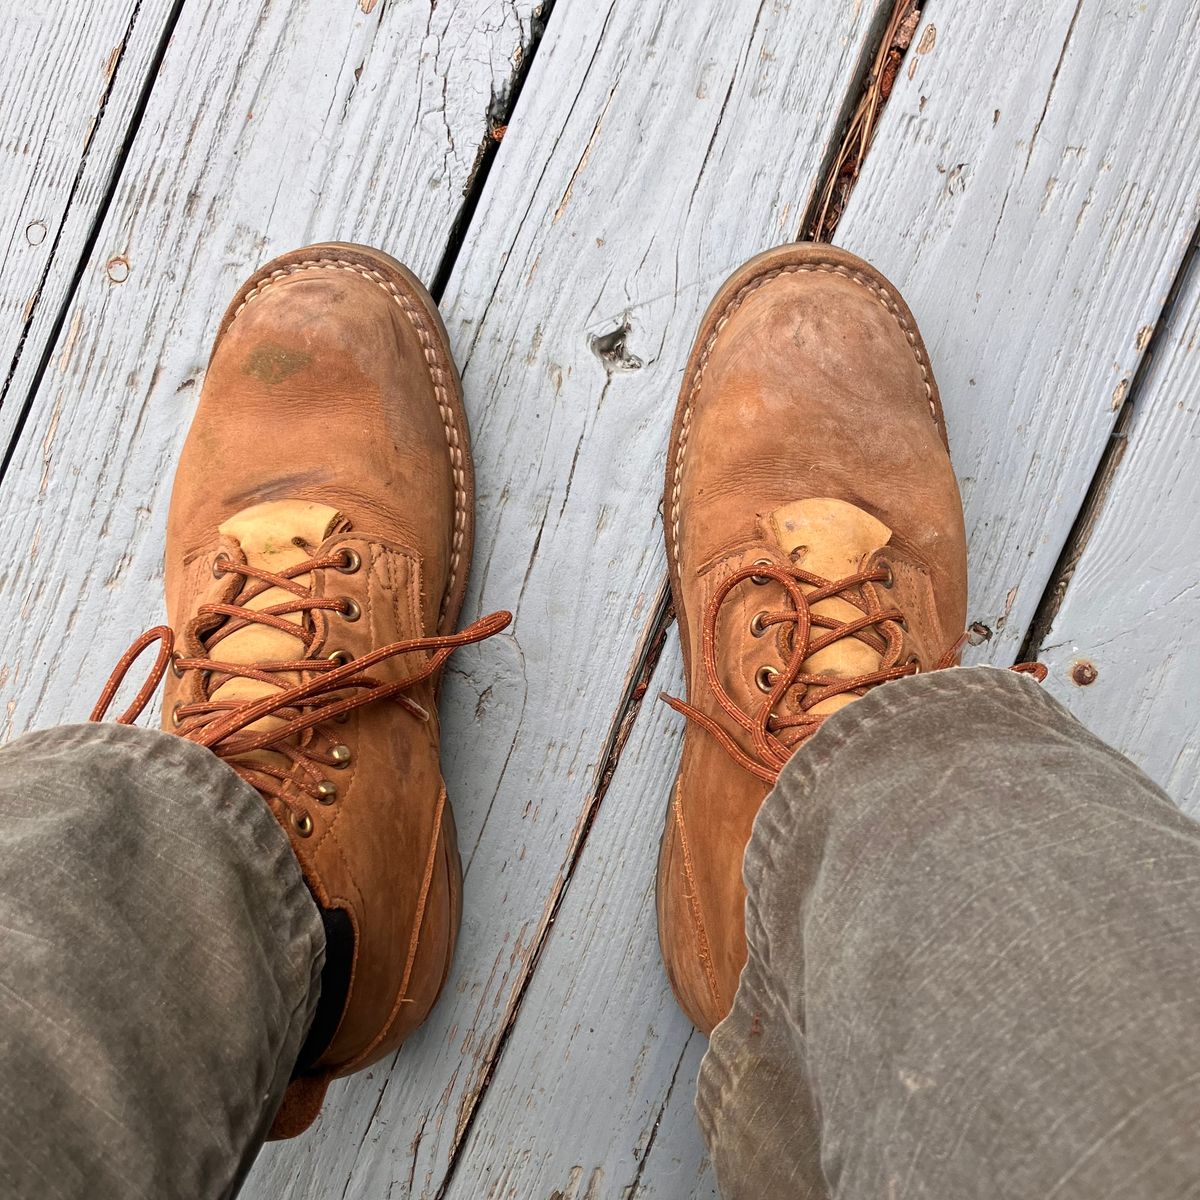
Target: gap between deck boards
[[1096, 496], [654, 636], [116, 171], [500, 114]]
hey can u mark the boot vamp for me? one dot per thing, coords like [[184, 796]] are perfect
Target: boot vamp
[[378, 850], [322, 388], [814, 389]]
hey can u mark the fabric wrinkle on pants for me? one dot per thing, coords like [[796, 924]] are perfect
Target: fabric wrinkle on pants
[[974, 969], [161, 965], [974, 963]]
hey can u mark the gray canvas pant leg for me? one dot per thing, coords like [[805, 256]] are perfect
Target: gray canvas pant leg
[[159, 965], [974, 964]]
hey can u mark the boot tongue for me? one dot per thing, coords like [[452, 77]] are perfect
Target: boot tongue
[[831, 538], [274, 536]]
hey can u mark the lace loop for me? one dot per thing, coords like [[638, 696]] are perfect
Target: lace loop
[[165, 636], [330, 687], [880, 628]]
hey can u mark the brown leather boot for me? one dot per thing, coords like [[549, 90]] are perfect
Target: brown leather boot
[[318, 545], [816, 549]]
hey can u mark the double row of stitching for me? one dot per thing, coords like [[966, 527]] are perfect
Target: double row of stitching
[[437, 373], [735, 302], [691, 893]]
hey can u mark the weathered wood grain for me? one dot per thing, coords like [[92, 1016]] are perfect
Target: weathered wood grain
[[676, 1167], [599, 1047], [269, 125], [575, 1023], [643, 163], [70, 78], [1031, 191], [1132, 609]]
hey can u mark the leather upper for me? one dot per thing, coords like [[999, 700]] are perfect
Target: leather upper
[[323, 386], [808, 435], [329, 423]]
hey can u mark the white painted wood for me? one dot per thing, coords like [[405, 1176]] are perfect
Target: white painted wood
[[1133, 605], [1031, 191], [677, 1167], [599, 1047], [70, 76], [651, 152], [536, 1126]]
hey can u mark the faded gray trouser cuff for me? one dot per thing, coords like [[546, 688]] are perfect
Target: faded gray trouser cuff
[[974, 963]]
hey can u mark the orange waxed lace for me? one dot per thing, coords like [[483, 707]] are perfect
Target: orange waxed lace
[[879, 627], [303, 706]]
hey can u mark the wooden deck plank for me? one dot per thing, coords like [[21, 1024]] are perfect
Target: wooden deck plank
[[583, 1023], [281, 144], [70, 78], [1031, 190], [268, 126], [621, 196], [600, 1047], [1132, 609], [676, 1166]]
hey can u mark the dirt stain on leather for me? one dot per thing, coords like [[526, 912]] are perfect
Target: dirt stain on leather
[[274, 364]]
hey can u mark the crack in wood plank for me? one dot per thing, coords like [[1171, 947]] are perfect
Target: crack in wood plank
[[1062, 54], [501, 110], [651, 644], [635, 1183]]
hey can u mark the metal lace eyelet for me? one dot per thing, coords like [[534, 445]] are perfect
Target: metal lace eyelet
[[176, 719], [350, 610], [761, 579], [341, 756], [326, 792], [175, 666], [765, 678], [886, 566], [903, 623], [220, 566], [302, 824], [351, 561], [758, 625]]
